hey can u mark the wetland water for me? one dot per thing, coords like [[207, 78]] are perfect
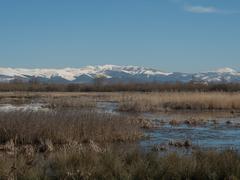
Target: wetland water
[[208, 136], [216, 130], [23, 107]]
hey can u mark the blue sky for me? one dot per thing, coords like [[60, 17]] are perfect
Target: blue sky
[[172, 35]]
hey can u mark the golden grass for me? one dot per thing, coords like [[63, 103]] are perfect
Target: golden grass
[[145, 102], [135, 101]]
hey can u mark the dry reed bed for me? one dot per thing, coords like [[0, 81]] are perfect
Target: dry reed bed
[[70, 102], [65, 126], [56, 100], [135, 101], [117, 164], [145, 102]]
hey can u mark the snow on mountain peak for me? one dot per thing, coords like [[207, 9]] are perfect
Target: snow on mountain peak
[[116, 73], [72, 73], [128, 69], [226, 70]]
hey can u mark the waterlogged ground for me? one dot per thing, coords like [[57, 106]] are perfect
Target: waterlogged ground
[[214, 130], [23, 107], [208, 136]]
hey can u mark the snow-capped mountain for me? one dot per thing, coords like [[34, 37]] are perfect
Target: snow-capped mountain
[[114, 74], [223, 75]]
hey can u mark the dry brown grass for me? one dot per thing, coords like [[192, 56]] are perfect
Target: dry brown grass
[[65, 126], [135, 101], [52, 100], [145, 102], [115, 164], [70, 102]]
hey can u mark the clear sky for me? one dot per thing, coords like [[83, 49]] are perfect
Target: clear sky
[[172, 35]]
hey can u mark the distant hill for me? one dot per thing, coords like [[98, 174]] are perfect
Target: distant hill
[[114, 74]]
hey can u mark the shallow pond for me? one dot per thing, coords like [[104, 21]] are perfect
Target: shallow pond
[[208, 136], [220, 130]]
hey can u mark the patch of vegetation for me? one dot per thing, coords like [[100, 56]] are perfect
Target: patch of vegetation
[[118, 164], [167, 101], [64, 126], [70, 102], [99, 86]]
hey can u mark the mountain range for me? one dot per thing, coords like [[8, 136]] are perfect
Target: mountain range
[[115, 74]]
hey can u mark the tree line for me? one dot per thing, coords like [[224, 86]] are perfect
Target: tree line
[[103, 87]]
